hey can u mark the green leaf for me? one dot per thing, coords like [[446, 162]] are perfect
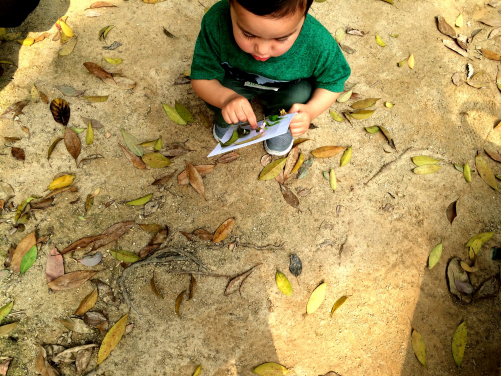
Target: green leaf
[[184, 112], [335, 116], [156, 160], [272, 169], [345, 159], [158, 144], [125, 256], [232, 140], [345, 96], [140, 201], [132, 143], [362, 114], [459, 341], [270, 369], [316, 298], [5, 310], [77, 130], [423, 160], [89, 138], [28, 259], [173, 115], [372, 130], [419, 347], [338, 304], [283, 283], [426, 169], [435, 255]]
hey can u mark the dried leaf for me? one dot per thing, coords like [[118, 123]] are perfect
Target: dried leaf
[[456, 79], [179, 300], [193, 287], [271, 369], [132, 143], [112, 233], [291, 161], [91, 260], [495, 156], [71, 280], [198, 371], [55, 266], [347, 48], [419, 347], [4, 330], [96, 320], [426, 169], [134, 159], [451, 211], [100, 4], [352, 31], [72, 143], [154, 287], [105, 291], [18, 153], [235, 283], [303, 170], [346, 157], [203, 234], [166, 32], [195, 179], [42, 365], [327, 151], [379, 41], [156, 160], [298, 165], [361, 114], [87, 303], [112, 339], [53, 146], [316, 298], [97, 71], [485, 172], [490, 54], [295, 266], [283, 284], [459, 341], [369, 102], [224, 230], [290, 197], [202, 169], [103, 33], [60, 111], [445, 28], [82, 243], [492, 21], [411, 62], [97, 98], [299, 141], [344, 96], [5, 310], [228, 158], [173, 114], [112, 46], [454, 47], [22, 248]]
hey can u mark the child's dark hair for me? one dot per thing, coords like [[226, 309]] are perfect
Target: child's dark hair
[[275, 8]]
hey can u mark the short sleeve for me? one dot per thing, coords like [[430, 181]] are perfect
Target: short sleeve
[[207, 56], [332, 69]]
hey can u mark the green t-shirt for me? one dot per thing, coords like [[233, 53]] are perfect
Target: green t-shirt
[[314, 55]]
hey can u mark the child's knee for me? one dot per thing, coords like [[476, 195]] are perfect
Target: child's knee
[[299, 93]]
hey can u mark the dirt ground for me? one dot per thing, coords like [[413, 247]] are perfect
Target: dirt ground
[[350, 239]]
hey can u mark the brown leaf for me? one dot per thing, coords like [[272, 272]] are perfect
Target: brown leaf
[[154, 287], [100, 4], [42, 204], [72, 143], [152, 228], [96, 320], [94, 123], [8, 258], [71, 280], [82, 360], [60, 111], [235, 283], [445, 28], [195, 179], [193, 287], [18, 153], [22, 248], [266, 160], [454, 47], [290, 197], [154, 243], [303, 192], [327, 151], [97, 71], [87, 303], [112, 233], [204, 170], [228, 158], [179, 300], [280, 177], [492, 21], [82, 243], [136, 161], [105, 291], [4, 366], [42, 365], [44, 97], [451, 211], [456, 79], [164, 179], [14, 110], [55, 265], [11, 139], [490, 54], [291, 161], [203, 234], [224, 230], [495, 156]]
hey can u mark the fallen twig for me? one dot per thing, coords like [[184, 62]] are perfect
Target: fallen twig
[[270, 247]]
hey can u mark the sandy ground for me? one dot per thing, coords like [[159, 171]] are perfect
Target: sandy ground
[[377, 256]]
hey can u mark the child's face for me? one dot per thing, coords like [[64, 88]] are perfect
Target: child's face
[[262, 36]]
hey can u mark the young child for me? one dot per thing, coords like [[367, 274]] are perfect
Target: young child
[[272, 49]]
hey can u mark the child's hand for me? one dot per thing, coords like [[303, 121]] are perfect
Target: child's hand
[[236, 108], [300, 122]]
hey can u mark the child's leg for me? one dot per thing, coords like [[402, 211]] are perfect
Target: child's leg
[[221, 125], [273, 102]]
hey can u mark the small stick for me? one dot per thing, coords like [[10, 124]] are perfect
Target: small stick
[[262, 247]]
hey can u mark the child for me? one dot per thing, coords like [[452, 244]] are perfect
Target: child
[[272, 49]]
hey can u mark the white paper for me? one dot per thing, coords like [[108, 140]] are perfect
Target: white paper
[[270, 132]]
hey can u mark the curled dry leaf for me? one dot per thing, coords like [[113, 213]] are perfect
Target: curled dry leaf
[[42, 365], [96, 320], [228, 158], [303, 170], [295, 266], [224, 230], [155, 243], [451, 211], [53, 146], [18, 153], [55, 265], [235, 283], [111, 339], [71, 280], [154, 287], [164, 179], [179, 300], [291, 161], [195, 179], [136, 161]]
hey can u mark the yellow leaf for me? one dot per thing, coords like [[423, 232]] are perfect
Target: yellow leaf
[[198, 371], [423, 160], [111, 339], [362, 114], [402, 63], [343, 97], [158, 144], [283, 283], [156, 160], [388, 104], [89, 138], [369, 102], [338, 304], [335, 116], [459, 21], [327, 151], [372, 130], [66, 29], [61, 182], [426, 169], [2, 32], [140, 201], [6, 329], [97, 98], [299, 163], [467, 172], [459, 341], [26, 42], [68, 47], [411, 61], [87, 303], [379, 41], [484, 237], [272, 169], [332, 180], [316, 298], [485, 172], [173, 114], [419, 347], [114, 61], [435, 255], [5, 310], [345, 159], [270, 369]]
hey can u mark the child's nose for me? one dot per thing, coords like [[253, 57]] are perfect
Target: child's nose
[[262, 48]]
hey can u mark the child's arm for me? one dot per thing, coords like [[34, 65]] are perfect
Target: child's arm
[[234, 107], [320, 101]]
